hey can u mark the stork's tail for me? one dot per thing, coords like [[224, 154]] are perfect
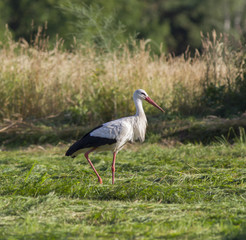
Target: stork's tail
[[75, 148]]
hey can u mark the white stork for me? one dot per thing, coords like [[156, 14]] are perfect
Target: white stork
[[113, 135]]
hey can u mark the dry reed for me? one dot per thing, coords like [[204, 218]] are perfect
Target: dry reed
[[37, 82]]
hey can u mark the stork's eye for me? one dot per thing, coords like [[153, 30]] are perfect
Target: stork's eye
[[143, 94]]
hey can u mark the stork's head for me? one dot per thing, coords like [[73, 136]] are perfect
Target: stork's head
[[141, 94]]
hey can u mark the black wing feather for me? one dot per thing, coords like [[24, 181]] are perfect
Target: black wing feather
[[88, 141]]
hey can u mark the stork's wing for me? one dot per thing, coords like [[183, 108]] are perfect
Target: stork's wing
[[88, 141], [118, 129]]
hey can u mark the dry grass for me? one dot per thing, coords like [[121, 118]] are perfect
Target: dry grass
[[38, 82]]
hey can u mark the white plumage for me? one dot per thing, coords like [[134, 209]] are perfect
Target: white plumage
[[115, 134]]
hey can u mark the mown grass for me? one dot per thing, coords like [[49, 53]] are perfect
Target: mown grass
[[185, 192]]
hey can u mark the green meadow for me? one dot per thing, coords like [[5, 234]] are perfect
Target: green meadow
[[178, 192]]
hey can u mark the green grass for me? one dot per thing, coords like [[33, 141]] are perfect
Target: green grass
[[160, 129], [186, 192]]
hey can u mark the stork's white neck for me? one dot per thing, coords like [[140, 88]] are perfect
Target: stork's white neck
[[140, 121], [139, 107]]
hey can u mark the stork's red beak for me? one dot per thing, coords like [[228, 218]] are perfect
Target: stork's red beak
[[149, 100]]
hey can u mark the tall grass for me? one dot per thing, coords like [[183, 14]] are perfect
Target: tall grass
[[37, 81]]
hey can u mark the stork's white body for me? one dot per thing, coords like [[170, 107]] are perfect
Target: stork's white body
[[127, 129], [113, 135], [123, 130]]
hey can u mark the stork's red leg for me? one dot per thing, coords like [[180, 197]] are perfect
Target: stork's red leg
[[113, 167], [87, 157]]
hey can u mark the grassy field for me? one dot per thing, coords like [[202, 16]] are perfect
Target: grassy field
[[193, 191], [185, 192]]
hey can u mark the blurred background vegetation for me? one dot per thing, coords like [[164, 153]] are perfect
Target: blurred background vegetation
[[174, 24], [79, 62]]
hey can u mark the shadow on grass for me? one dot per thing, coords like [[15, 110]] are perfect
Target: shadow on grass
[[185, 130], [241, 235]]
